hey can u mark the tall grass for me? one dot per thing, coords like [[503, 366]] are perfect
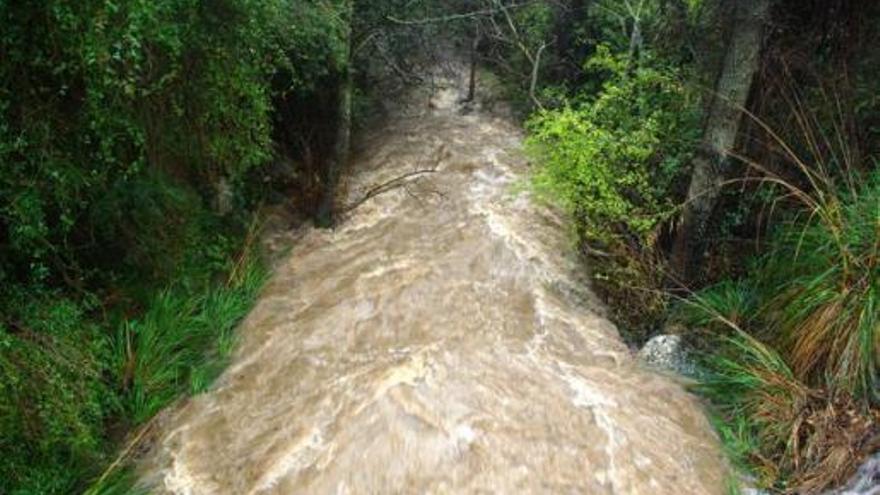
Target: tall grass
[[73, 380], [814, 294], [822, 281], [180, 343], [177, 347], [753, 387], [792, 368]]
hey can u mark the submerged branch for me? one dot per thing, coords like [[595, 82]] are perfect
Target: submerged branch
[[399, 181]]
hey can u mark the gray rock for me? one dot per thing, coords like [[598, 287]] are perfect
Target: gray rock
[[866, 481], [668, 353]]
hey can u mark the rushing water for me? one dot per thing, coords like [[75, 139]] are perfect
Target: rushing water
[[438, 341]]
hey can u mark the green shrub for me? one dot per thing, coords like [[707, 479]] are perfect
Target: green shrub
[[615, 162], [102, 96], [53, 398], [612, 160], [804, 409], [146, 226]]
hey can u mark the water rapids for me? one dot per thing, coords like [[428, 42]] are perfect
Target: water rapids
[[440, 340]]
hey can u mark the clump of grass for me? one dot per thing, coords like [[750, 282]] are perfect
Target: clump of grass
[[799, 374], [181, 342], [795, 344], [179, 346], [822, 278], [163, 353], [727, 304], [754, 389], [792, 437]]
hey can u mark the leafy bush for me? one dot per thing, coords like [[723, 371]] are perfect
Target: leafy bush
[[96, 95], [53, 398], [615, 162]]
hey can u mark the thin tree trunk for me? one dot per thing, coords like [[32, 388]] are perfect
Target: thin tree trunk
[[472, 83], [711, 163], [635, 40], [533, 80], [342, 147]]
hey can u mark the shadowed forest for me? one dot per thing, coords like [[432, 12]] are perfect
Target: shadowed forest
[[716, 163]]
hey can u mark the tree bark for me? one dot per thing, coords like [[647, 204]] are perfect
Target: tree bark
[[472, 82], [712, 161], [324, 216], [533, 79]]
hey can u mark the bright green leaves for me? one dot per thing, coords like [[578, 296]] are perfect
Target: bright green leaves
[[612, 159]]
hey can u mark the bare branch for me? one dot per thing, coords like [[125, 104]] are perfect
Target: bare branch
[[399, 181], [536, 64], [456, 17]]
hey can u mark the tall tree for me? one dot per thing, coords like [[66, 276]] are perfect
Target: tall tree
[[342, 146], [712, 161]]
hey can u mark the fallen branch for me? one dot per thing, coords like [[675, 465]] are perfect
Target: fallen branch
[[123, 456], [399, 181]]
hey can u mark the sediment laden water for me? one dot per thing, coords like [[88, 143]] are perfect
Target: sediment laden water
[[438, 341]]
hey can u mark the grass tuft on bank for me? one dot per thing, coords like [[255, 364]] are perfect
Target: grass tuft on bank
[[793, 370], [78, 374]]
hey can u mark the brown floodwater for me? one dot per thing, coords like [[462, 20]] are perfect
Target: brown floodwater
[[441, 339]]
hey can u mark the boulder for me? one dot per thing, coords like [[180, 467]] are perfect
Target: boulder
[[667, 352]]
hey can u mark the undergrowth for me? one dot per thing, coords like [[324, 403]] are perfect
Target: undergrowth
[[614, 161], [791, 364], [74, 379], [789, 332]]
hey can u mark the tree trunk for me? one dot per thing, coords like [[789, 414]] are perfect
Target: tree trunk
[[711, 163], [533, 80], [472, 83], [324, 216]]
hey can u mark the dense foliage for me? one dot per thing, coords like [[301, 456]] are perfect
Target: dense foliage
[[129, 134], [139, 138], [614, 159], [98, 95], [798, 387], [788, 329]]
